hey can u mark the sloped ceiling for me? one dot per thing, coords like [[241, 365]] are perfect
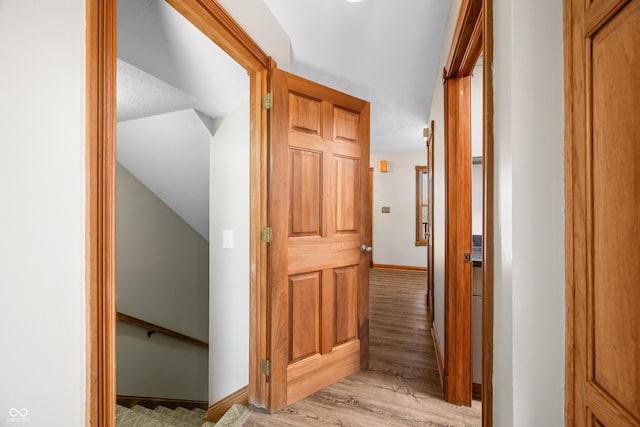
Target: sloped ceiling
[[383, 51], [170, 155], [172, 82]]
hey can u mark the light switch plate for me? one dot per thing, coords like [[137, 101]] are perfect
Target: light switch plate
[[227, 239]]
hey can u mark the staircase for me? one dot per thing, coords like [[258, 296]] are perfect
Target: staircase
[[139, 416]]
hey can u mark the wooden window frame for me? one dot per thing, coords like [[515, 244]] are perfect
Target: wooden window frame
[[219, 26], [420, 239]]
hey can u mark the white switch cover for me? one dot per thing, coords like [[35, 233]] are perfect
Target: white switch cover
[[227, 239]]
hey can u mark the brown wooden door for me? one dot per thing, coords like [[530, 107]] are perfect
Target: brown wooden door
[[319, 213], [603, 213]]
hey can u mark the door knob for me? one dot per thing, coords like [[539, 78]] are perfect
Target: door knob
[[365, 249]]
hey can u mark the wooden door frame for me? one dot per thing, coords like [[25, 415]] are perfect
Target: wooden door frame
[[457, 272], [430, 275], [222, 29], [474, 35], [371, 215]]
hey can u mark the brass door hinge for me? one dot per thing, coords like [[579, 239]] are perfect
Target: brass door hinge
[[265, 364], [267, 234], [267, 101]]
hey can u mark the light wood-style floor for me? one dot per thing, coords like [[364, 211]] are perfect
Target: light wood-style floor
[[401, 386]]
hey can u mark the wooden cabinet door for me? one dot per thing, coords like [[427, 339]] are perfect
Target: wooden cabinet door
[[603, 212], [319, 214]]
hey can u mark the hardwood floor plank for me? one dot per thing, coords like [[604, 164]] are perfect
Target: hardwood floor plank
[[401, 386]]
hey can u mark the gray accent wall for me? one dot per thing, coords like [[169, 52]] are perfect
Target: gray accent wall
[[162, 276]]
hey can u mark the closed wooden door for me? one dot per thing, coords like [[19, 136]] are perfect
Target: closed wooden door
[[603, 212], [319, 213]]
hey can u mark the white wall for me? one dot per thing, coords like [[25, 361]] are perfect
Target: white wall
[[42, 220], [162, 273], [529, 249], [476, 110], [476, 199], [476, 149], [257, 20], [529, 217], [394, 233], [229, 277], [437, 115]]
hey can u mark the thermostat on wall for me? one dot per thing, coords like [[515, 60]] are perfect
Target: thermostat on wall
[[386, 209]]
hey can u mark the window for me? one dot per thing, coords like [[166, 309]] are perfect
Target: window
[[422, 206]]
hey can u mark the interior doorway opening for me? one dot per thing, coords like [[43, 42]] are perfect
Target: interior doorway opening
[[217, 25], [473, 39], [182, 212]]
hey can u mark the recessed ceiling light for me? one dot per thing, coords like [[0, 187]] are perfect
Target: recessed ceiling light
[[354, 1]]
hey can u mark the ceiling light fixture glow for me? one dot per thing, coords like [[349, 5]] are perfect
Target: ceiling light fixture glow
[[354, 1]]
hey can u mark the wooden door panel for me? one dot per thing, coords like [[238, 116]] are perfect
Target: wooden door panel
[[319, 214], [457, 353], [305, 183], [615, 313], [304, 319], [345, 125], [337, 252], [346, 304], [320, 371], [305, 114], [603, 375], [347, 195]]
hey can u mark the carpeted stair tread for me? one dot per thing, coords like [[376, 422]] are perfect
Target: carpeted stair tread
[[131, 418], [231, 416], [140, 416], [160, 418], [192, 418]]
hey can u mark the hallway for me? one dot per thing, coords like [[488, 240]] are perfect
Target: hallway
[[401, 387]]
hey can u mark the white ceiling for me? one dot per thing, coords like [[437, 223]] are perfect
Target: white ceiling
[[172, 81], [383, 51], [169, 153], [155, 38]]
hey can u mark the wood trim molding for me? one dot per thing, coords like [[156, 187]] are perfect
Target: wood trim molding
[[488, 216], [467, 40], [430, 259], [258, 284], [439, 358], [457, 283], [474, 49], [100, 211], [211, 18], [154, 402], [399, 267], [371, 215], [474, 36], [160, 329], [218, 409], [101, 31], [570, 324]]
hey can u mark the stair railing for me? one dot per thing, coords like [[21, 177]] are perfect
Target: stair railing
[[152, 328]]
